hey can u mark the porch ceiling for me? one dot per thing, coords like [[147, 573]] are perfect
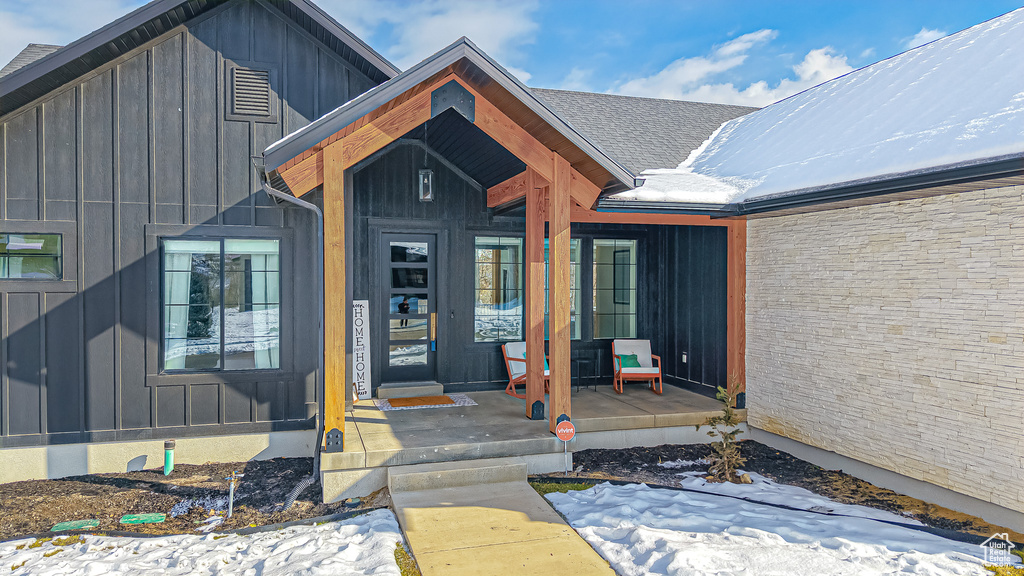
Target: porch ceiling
[[373, 121], [469, 148]]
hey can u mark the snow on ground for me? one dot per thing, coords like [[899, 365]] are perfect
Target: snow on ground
[[915, 111], [673, 464], [765, 490], [361, 545], [642, 530]]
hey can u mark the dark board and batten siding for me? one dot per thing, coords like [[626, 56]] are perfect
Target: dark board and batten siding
[[681, 273], [135, 150]]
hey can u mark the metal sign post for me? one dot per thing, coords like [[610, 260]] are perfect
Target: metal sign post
[[565, 431]]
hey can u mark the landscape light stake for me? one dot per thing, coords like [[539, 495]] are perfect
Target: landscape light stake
[[168, 457]]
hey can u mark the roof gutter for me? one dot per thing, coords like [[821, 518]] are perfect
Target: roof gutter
[[275, 194], [713, 210], [1000, 167]]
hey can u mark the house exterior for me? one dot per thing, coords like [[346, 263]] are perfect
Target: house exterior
[[110, 145], [196, 195]]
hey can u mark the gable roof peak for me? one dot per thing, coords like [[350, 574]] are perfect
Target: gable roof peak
[[28, 55]]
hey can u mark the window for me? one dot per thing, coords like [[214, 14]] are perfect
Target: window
[[499, 288], [221, 304], [574, 295], [614, 288], [31, 256]]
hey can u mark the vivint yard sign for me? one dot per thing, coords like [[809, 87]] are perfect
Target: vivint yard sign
[[361, 349]]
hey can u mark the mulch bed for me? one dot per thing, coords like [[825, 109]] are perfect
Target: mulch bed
[[37, 505], [641, 465], [34, 506]]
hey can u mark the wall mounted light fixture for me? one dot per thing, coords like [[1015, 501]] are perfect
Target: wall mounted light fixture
[[426, 185]]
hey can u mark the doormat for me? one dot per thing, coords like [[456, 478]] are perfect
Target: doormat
[[446, 401]]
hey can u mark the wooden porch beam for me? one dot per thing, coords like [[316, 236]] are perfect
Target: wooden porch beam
[[524, 146], [558, 292], [305, 175], [511, 190], [364, 141], [335, 388], [535, 218], [736, 307], [389, 127], [515, 189]]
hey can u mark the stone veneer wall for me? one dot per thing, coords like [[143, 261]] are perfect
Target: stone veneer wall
[[894, 334]]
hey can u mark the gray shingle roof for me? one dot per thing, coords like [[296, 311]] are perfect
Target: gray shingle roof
[[641, 133], [30, 54]]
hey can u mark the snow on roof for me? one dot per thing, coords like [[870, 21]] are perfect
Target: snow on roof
[[956, 101]]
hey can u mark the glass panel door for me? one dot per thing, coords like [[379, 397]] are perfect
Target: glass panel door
[[408, 289]]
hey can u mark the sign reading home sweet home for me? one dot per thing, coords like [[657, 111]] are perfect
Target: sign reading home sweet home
[[361, 348]]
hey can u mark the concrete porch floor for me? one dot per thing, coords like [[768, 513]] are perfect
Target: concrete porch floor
[[497, 427]]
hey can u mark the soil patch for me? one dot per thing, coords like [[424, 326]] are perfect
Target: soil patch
[[641, 465], [191, 492]]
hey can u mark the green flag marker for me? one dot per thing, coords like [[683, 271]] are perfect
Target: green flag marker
[[154, 518], [76, 525]]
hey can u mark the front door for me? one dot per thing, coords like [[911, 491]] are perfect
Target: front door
[[408, 299]]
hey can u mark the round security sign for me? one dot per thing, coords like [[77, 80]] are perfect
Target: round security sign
[[565, 430]]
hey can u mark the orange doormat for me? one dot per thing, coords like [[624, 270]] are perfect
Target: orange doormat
[[420, 401]]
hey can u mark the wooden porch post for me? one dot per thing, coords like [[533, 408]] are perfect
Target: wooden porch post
[[736, 311], [535, 217], [335, 389], [558, 291]]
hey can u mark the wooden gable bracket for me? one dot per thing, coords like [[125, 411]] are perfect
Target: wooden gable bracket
[[385, 129]]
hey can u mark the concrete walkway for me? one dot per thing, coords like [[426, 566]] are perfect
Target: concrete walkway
[[485, 520]]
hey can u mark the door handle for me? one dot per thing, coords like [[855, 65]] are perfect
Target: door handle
[[433, 331]]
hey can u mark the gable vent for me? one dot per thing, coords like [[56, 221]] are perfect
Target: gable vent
[[251, 92]]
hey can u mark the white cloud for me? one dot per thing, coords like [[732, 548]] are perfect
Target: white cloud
[[577, 79], [417, 30], [868, 52], [679, 76], [925, 36], [23, 22], [690, 78]]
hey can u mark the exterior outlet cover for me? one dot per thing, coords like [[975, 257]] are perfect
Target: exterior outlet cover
[[453, 95]]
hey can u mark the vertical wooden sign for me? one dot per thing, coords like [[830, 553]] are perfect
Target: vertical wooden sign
[[361, 349]]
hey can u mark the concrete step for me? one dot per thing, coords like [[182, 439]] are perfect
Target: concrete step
[[409, 389], [437, 475]]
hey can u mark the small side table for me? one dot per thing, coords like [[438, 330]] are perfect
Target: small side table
[[580, 363]]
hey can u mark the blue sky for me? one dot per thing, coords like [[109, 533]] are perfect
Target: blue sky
[[732, 51]]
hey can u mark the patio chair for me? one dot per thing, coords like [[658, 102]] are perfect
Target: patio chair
[[515, 361], [642, 368]]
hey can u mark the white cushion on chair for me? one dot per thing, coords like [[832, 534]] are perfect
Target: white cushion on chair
[[641, 370], [642, 349], [518, 350]]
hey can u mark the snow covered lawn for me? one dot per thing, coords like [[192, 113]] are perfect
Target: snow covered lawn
[[642, 530], [361, 545]]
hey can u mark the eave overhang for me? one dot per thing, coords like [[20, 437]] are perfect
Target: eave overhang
[[154, 19]]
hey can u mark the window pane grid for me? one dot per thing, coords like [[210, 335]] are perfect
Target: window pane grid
[[498, 289], [31, 256], [221, 304], [615, 288]]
